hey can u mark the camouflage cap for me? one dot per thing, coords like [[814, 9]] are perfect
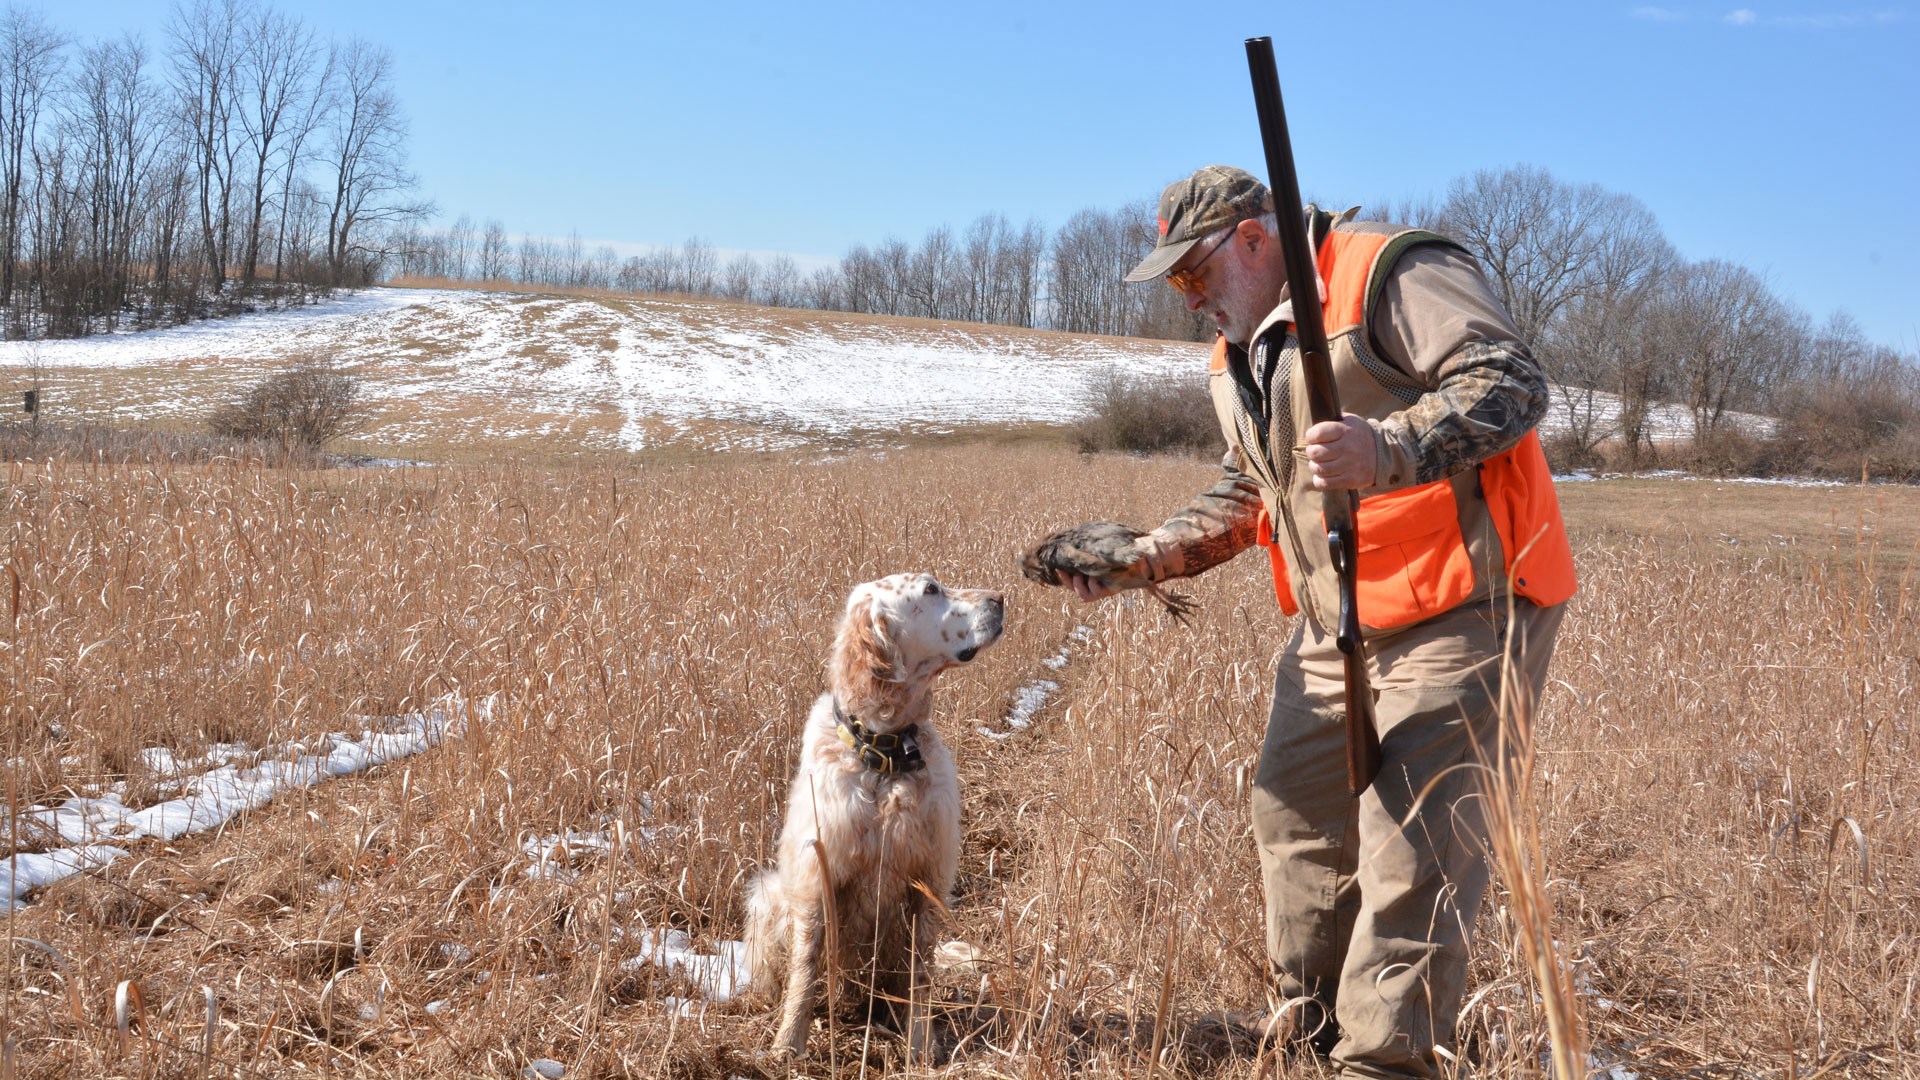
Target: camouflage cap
[[1208, 201]]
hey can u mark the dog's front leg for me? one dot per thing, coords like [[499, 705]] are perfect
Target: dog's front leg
[[803, 982], [920, 1043]]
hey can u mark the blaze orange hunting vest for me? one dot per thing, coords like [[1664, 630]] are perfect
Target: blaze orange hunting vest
[[1414, 543]]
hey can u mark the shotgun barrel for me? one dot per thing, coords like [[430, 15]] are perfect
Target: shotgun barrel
[[1323, 403]]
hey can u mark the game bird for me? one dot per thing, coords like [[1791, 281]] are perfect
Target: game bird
[[1105, 550]]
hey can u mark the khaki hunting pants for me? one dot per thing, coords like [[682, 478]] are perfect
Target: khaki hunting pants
[[1371, 901]]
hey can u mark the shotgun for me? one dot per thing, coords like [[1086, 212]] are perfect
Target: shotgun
[[1323, 402]]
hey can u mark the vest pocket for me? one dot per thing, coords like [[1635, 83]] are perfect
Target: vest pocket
[[1282, 586], [1413, 561]]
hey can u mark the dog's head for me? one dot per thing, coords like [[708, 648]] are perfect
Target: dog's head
[[899, 632]]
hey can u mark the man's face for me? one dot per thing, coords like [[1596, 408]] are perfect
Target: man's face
[[1235, 284]]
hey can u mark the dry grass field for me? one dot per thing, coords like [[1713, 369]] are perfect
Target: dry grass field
[[1725, 776]]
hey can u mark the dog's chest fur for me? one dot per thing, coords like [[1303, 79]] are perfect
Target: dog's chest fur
[[866, 819]]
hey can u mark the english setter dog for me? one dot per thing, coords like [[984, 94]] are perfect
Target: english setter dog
[[873, 816]]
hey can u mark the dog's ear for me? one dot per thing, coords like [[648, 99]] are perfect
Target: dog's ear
[[863, 661]]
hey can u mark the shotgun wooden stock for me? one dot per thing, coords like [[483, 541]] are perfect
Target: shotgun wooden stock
[[1323, 402]]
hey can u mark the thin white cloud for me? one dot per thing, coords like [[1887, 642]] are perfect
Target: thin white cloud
[[1843, 20], [1839, 21]]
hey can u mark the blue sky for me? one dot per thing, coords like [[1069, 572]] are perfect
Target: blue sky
[[1785, 138]]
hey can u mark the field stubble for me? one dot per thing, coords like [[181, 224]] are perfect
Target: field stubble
[[1724, 784]]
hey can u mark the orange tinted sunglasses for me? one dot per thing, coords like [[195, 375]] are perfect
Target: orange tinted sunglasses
[[1186, 280]]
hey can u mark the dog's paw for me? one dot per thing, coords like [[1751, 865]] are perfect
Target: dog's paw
[[778, 1057]]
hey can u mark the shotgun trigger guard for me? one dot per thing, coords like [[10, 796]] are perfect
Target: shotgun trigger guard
[[1347, 633]]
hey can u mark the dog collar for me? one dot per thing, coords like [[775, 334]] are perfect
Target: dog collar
[[885, 752]]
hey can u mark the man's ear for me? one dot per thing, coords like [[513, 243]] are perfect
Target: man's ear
[[1252, 234]]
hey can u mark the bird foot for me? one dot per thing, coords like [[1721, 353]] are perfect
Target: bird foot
[[1178, 606]]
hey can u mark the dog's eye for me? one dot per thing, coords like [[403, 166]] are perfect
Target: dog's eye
[[932, 589]]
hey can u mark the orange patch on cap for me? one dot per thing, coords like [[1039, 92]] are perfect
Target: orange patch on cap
[[1163, 225]]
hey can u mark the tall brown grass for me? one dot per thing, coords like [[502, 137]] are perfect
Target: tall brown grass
[[1722, 801]]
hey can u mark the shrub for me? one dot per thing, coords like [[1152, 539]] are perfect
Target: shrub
[[1732, 452], [1850, 432], [1567, 452], [1140, 415], [307, 405]]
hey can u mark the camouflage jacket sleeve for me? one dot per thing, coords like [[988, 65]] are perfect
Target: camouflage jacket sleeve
[[1217, 525], [1441, 323]]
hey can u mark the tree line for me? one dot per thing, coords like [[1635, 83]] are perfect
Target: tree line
[[1613, 310], [1621, 322], [992, 272], [242, 161]]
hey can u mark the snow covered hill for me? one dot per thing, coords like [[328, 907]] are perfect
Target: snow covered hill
[[445, 368]]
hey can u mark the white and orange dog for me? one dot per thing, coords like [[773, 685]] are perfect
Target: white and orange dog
[[873, 814]]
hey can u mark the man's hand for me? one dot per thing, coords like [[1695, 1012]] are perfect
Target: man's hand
[[1088, 588], [1341, 455]]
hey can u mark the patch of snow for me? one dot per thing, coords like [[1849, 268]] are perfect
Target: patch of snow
[[163, 763], [719, 975], [1026, 701], [1578, 476], [552, 857], [1029, 699], [91, 826], [26, 872], [1666, 421]]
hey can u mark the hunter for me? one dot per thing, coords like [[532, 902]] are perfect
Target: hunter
[[1370, 901]]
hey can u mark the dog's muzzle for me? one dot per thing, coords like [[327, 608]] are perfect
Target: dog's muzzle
[[994, 618]]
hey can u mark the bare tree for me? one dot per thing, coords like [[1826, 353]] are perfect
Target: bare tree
[[1725, 336], [29, 64], [207, 42], [893, 260], [110, 123], [1092, 253], [493, 251], [1420, 213], [1534, 235], [780, 284], [460, 248], [928, 277], [1589, 347], [171, 203], [857, 284], [698, 266], [277, 62], [574, 260], [366, 158], [741, 277], [825, 289], [603, 267], [303, 121], [1017, 283], [534, 258]]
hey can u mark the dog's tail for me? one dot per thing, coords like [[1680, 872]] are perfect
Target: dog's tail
[[766, 934]]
